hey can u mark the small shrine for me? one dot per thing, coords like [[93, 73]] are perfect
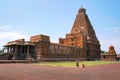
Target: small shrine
[[110, 55]]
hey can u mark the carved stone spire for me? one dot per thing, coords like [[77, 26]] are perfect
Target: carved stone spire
[[83, 25], [82, 22]]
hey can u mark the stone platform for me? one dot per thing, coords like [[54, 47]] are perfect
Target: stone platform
[[108, 57], [18, 61]]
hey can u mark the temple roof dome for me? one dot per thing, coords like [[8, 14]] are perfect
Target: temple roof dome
[[82, 10]]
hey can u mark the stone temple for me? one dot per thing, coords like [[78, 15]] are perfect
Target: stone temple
[[110, 55], [81, 43]]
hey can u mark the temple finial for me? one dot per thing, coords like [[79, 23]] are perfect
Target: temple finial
[[82, 9], [81, 6]]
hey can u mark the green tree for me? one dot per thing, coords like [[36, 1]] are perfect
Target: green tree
[[1, 51], [102, 51]]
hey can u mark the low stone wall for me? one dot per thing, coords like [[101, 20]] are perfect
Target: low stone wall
[[5, 56], [18, 61], [108, 57], [62, 59], [63, 51]]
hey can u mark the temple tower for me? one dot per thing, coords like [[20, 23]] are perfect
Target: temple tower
[[83, 35]]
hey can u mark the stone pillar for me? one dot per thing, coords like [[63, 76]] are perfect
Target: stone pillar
[[15, 54], [24, 50], [27, 49], [21, 49], [7, 49], [28, 54]]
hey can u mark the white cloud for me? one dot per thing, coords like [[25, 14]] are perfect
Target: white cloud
[[116, 31], [9, 36], [5, 27], [8, 33], [113, 29]]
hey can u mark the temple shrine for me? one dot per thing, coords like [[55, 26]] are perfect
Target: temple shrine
[[110, 55]]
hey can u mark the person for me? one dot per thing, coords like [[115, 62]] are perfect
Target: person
[[77, 63], [83, 66]]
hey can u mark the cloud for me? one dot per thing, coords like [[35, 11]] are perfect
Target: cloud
[[5, 27], [9, 36], [116, 30], [113, 30]]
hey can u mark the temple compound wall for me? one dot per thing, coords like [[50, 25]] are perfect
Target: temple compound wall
[[40, 47], [45, 49]]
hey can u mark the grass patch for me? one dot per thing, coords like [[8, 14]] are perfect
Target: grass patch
[[73, 63]]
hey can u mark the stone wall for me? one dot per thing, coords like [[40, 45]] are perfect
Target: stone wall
[[45, 49], [60, 51], [38, 38], [63, 51], [74, 39], [6, 56], [108, 57], [42, 43]]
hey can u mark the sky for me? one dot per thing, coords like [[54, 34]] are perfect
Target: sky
[[25, 18]]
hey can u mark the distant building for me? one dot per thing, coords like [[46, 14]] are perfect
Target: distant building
[[80, 43], [110, 55]]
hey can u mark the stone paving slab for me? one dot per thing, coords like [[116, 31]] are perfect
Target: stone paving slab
[[37, 72]]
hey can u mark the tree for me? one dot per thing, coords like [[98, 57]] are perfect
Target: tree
[[102, 51], [1, 51]]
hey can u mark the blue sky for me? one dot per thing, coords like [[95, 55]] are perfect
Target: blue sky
[[24, 18]]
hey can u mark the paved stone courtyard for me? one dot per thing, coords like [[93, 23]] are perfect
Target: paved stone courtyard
[[36, 72]]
